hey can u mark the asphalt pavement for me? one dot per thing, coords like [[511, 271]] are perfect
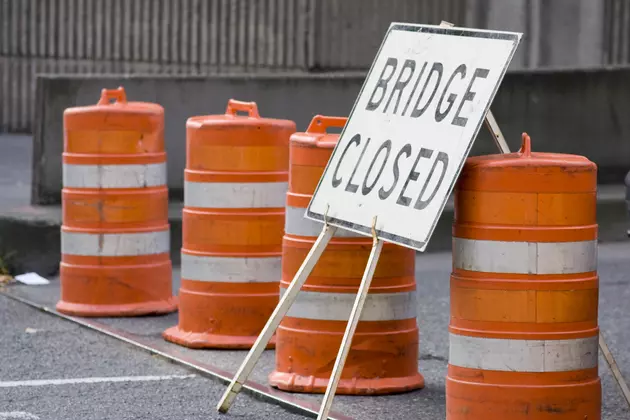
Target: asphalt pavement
[[61, 349], [54, 369]]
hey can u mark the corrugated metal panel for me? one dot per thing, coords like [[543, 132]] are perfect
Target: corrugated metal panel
[[556, 33], [16, 94], [247, 33], [143, 36], [617, 32], [349, 32], [295, 34], [209, 36]]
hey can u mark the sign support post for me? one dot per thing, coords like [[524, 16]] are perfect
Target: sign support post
[[377, 245], [497, 135], [355, 315], [412, 44], [274, 320]]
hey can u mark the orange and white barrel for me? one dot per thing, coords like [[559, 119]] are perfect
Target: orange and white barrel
[[115, 248], [234, 185], [524, 289], [384, 354]]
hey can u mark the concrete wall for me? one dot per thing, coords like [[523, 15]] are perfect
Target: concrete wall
[[580, 112], [205, 37], [201, 36], [295, 97]]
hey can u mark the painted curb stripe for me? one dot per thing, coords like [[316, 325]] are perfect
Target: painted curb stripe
[[74, 381]]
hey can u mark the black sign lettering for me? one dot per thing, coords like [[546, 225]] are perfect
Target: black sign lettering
[[350, 187], [415, 86], [406, 150], [420, 203], [335, 180], [382, 84], [439, 116], [413, 176], [387, 146], [401, 84], [468, 96], [437, 69]]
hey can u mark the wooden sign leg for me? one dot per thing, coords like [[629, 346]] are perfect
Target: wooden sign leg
[[497, 135], [272, 323], [355, 315], [614, 368]]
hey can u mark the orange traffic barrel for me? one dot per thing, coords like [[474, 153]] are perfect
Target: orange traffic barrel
[[383, 357], [524, 289], [234, 185], [115, 248]]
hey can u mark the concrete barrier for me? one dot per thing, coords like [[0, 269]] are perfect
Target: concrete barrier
[[573, 111]]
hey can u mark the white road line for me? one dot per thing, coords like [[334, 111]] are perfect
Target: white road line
[[22, 415], [44, 382]]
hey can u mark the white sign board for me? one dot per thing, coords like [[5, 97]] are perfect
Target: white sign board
[[411, 129]]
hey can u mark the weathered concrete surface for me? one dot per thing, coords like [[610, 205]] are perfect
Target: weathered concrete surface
[[579, 112], [26, 233]]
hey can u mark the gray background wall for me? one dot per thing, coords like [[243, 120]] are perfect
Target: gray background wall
[[204, 37], [571, 111]]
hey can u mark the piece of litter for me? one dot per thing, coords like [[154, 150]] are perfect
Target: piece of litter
[[30, 330], [31, 279]]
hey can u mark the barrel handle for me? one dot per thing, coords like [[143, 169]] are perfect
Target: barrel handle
[[321, 123], [234, 106], [526, 145], [108, 94]]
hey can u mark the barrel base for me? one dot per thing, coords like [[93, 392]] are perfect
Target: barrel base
[[196, 340], [474, 401], [120, 290], [160, 307], [378, 386]]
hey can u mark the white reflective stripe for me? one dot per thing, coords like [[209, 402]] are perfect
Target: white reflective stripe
[[508, 355], [115, 244], [296, 224], [337, 306], [231, 269], [235, 195], [525, 257], [114, 176]]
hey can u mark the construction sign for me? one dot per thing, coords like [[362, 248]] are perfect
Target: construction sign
[[411, 129]]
